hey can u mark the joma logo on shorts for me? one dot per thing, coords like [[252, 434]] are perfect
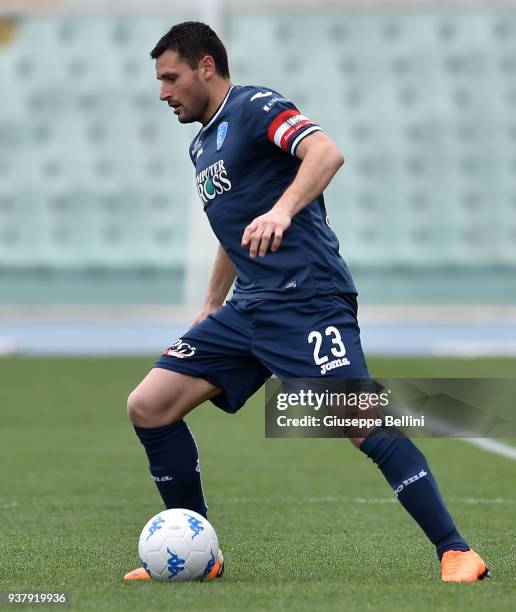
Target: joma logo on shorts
[[336, 363]]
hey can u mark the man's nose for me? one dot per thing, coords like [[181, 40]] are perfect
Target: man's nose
[[164, 93]]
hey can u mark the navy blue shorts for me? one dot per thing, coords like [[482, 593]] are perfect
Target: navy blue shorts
[[245, 342]]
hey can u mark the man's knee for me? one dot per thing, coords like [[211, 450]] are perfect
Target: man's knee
[[138, 409], [145, 411], [164, 397]]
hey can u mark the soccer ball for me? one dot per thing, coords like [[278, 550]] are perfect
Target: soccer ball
[[178, 544]]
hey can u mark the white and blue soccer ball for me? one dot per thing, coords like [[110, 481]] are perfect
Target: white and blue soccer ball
[[178, 544]]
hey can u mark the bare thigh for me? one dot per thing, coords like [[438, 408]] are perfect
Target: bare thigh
[[164, 396]]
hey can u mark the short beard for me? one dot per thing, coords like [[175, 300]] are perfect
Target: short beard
[[198, 112]]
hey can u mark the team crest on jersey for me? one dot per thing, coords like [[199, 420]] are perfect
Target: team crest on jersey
[[221, 134]]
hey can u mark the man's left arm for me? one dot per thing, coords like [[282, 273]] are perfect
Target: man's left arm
[[320, 159]]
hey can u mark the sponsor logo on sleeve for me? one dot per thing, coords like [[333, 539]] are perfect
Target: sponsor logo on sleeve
[[267, 107]]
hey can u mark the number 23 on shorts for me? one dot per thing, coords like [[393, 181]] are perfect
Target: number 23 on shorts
[[338, 349]]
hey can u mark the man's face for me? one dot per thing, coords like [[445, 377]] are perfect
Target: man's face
[[181, 87]]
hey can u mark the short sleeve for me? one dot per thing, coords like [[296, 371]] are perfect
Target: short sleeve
[[269, 116]]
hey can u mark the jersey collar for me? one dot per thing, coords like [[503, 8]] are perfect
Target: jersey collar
[[219, 110]]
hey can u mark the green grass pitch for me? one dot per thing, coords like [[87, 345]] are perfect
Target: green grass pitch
[[304, 524]]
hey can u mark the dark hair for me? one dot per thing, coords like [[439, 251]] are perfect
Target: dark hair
[[193, 40]]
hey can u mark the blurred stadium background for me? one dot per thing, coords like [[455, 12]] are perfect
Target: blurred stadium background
[[103, 244]]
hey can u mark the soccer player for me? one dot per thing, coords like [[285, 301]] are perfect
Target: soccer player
[[261, 168]]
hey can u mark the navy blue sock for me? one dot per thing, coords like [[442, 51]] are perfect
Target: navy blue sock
[[174, 465], [406, 470]]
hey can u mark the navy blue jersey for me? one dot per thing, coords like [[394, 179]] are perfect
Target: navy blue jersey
[[244, 160]]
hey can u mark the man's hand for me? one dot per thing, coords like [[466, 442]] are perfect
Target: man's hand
[[206, 310], [259, 232], [320, 159]]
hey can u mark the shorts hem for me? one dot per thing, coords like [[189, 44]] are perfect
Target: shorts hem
[[222, 400]]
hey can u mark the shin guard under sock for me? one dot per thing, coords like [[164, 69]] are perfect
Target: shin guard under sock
[[406, 470], [174, 465]]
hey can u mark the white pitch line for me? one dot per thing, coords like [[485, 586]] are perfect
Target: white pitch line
[[493, 446], [361, 500], [479, 500]]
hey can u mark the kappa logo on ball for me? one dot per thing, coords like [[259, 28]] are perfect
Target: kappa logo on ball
[[209, 565], [174, 564], [155, 525], [195, 525], [180, 349]]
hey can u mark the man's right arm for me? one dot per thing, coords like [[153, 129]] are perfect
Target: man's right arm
[[221, 279]]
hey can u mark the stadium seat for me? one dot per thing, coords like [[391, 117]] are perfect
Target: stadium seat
[[92, 155]]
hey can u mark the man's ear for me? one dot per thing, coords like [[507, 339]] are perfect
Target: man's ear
[[207, 67]]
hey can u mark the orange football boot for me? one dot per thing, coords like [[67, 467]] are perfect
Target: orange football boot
[[460, 566], [140, 573]]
